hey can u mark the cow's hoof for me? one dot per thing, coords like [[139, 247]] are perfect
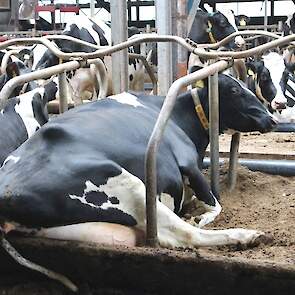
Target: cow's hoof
[[263, 238]]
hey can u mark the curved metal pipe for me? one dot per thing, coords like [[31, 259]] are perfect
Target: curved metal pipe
[[6, 58], [276, 167]]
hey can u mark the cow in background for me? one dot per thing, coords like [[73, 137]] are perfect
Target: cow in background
[[96, 32], [211, 28], [22, 116], [272, 79]]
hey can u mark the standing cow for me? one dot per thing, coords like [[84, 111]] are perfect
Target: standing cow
[[96, 32], [81, 176]]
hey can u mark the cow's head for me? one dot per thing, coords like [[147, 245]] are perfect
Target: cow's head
[[240, 110], [220, 25], [265, 77], [13, 69]]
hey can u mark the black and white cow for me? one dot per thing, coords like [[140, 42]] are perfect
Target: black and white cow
[[213, 27], [272, 79], [96, 32], [289, 25], [22, 117], [81, 176]]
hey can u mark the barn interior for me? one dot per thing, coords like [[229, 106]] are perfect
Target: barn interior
[[253, 173]]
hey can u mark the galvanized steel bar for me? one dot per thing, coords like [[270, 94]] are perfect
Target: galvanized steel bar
[[119, 34], [163, 24], [41, 74], [63, 92], [157, 38], [182, 53], [233, 161], [155, 139], [5, 59], [214, 132], [265, 15]]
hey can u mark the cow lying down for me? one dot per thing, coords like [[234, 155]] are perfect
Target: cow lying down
[[81, 176]]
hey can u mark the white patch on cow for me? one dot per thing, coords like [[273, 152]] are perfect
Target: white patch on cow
[[25, 109], [11, 158], [38, 53], [274, 62], [126, 187], [127, 98], [285, 116], [231, 19]]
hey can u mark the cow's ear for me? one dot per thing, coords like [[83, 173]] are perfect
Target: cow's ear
[[12, 70], [251, 67], [39, 110], [50, 91]]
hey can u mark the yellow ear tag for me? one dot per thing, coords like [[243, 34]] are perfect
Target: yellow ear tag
[[242, 22], [14, 74], [200, 84], [250, 72]]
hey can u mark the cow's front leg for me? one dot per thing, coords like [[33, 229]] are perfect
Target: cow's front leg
[[209, 203], [174, 232]]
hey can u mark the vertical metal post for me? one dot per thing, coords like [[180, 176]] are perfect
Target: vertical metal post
[[214, 132], [233, 162], [181, 32], [16, 14], [119, 34], [63, 93], [92, 8], [265, 15], [53, 22], [163, 24]]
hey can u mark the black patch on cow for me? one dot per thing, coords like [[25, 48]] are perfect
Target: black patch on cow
[[114, 200], [103, 41], [49, 92], [130, 77], [96, 198], [37, 128], [39, 109]]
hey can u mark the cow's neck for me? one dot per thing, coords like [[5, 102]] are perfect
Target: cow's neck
[[186, 117]]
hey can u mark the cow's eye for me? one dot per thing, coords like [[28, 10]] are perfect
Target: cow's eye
[[222, 23], [235, 91]]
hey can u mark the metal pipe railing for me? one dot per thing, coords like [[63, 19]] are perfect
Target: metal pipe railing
[[197, 49], [153, 144], [5, 59], [214, 132]]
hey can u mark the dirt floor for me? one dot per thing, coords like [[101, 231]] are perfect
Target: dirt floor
[[276, 145], [259, 201]]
